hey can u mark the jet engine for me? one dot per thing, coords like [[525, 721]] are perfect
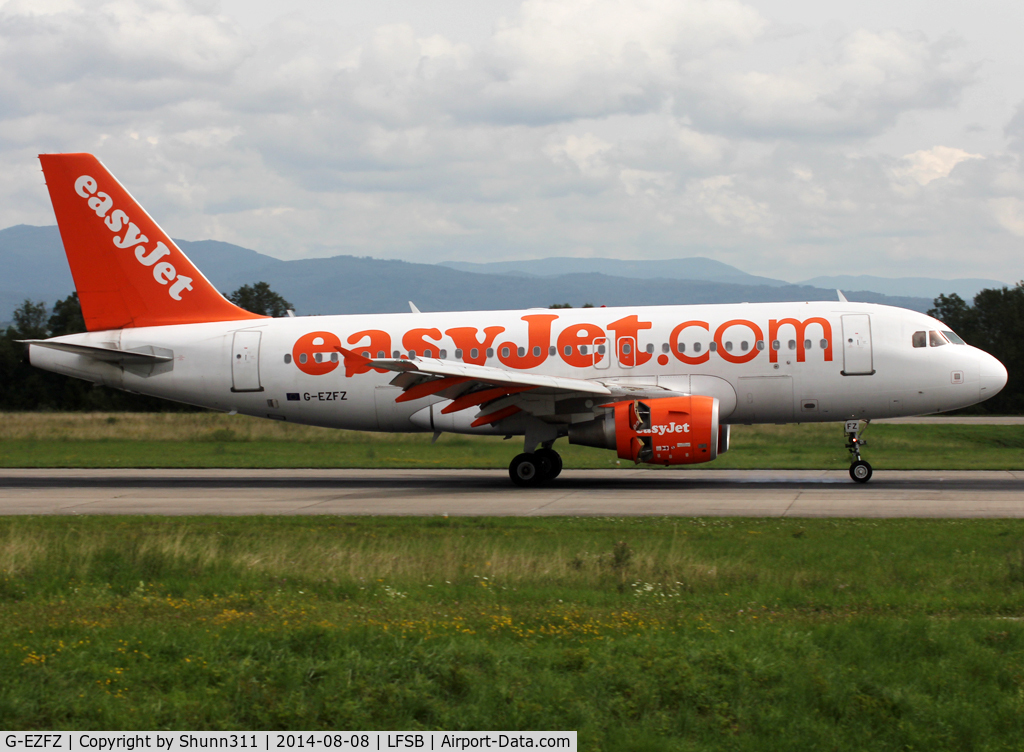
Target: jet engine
[[668, 431]]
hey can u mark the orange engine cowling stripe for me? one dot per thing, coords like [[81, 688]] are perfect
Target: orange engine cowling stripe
[[485, 395], [428, 388], [484, 420]]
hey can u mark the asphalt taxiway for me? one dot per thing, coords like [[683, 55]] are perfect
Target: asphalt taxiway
[[757, 493]]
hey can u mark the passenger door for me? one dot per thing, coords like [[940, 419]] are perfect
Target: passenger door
[[857, 356], [245, 362]]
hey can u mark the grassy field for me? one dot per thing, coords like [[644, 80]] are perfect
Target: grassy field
[[219, 440], [642, 634]]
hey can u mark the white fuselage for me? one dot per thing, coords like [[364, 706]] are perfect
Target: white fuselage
[[860, 362]]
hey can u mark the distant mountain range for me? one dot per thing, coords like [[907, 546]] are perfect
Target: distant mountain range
[[695, 267], [715, 271], [925, 287], [35, 267]]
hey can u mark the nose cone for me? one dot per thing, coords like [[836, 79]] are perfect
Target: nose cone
[[992, 376]]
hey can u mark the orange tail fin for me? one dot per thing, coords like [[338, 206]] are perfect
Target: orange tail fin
[[128, 272]]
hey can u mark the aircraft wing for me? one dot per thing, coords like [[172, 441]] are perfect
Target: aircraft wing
[[497, 392]]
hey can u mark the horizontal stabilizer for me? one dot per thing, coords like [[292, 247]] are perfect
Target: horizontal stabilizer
[[107, 354]]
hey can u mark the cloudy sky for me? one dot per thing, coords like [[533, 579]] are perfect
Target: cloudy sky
[[787, 137]]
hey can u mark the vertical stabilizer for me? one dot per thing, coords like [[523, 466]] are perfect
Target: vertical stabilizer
[[127, 271]]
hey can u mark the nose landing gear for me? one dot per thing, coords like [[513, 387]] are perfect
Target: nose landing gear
[[860, 470]]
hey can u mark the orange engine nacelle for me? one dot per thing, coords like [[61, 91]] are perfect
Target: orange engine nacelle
[[668, 431]]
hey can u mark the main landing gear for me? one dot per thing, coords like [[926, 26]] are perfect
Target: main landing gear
[[860, 470], [535, 468]]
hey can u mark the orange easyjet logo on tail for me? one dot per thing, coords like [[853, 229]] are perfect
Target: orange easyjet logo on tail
[[116, 221]]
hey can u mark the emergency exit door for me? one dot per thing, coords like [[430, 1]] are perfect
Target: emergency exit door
[[245, 362], [857, 356]]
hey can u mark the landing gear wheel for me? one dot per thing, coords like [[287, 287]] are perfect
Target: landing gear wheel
[[860, 471], [529, 469], [554, 460]]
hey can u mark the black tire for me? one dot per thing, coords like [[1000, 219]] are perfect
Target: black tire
[[554, 460], [860, 471], [528, 469]]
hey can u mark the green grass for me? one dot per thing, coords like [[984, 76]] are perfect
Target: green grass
[[642, 634], [218, 440]]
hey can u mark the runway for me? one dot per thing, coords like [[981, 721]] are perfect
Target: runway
[[754, 493]]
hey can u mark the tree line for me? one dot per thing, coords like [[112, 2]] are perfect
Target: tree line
[[993, 322]]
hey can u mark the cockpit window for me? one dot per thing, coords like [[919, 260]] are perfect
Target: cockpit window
[[953, 338], [935, 339], [920, 339]]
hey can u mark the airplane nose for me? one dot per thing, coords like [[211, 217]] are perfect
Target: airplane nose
[[992, 376]]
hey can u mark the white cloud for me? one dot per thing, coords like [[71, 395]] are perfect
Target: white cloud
[[604, 127], [857, 89], [1009, 213], [926, 165], [586, 153], [719, 198], [646, 182]]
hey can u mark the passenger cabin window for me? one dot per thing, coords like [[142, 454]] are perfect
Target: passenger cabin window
[[665, 347], [302, 357], [287, 358], [474, 353], [443, 354], [792, 344], [649, 348], [381, 354], [953, 338], [458, 354], [552, 351], [490, 352], [696, 346], [334, 357], [744, 345], [920, 339], [760, 344], [521, 351], [807, 344], [713, 346], [396, 354], [824, 344], [536, 351], [776, 344], [728, 346], [504, 352], [935, 339]]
